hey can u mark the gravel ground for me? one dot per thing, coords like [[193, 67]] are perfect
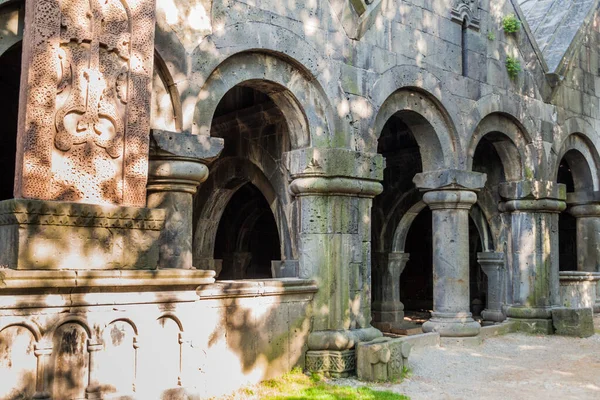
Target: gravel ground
[[515, 366]]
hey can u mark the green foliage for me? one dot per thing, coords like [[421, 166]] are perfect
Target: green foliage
[[511, 24], [491, 36], [513, 66], [296, 385]]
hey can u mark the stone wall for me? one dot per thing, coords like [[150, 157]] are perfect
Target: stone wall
[[480, 144]]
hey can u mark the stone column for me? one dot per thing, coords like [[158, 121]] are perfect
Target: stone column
[[585, 207], [93, 390], [333, 191], [450, 194], [388, 310], [43, 353], [177, 166], [492, 265], [533, 207]]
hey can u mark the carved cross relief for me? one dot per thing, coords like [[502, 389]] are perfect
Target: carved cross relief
[[84, 116]]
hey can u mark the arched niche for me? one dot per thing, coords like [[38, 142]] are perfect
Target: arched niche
[[69, 374], [18, 363], [117, 360]]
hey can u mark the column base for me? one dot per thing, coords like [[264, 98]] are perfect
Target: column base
[[452, 325], [492, 316], [333, 363]]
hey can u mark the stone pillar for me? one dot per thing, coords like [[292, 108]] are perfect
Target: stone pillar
[[585, 207], [450, 194], [43, 353], [388, 310], [93, 390], [492, 265], [533, 207], [333, 191], [178, 164]]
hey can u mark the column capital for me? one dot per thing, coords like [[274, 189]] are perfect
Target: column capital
[[335, 186], [491, 258], [532, 196], [532, 190], [450, 179], [450, 199], [334, 162], [584, 204]]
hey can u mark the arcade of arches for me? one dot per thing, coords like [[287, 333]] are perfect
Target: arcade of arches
[[236, 197]]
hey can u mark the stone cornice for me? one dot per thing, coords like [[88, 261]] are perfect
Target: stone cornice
[[257, 288], [41, 212]]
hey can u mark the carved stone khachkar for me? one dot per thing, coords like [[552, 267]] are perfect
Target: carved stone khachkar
[[337, 364], [85, 101], [466, 9], [382, 359]]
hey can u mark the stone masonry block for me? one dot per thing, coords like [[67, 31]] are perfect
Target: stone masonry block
[[382, 359], [576, 322]]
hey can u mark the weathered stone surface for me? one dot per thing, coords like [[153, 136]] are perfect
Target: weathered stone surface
[[577, 322], [85, 104], [382, 359], [54, 235], [334, 363]]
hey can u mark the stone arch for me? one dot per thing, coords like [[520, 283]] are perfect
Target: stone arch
[[385, 239], [581, 152], [509, 140], [477, 216], [35, 331], [293, 91], [429, 124], [221, 185], [77, 319], [119, 339], [415, 79], [170, 87], [269, 39]]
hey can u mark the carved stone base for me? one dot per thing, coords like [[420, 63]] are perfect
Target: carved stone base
[[337, 364], [49, 235]]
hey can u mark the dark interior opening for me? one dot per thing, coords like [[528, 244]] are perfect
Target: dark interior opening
[[567, 225], [247, 238], [10, 78]]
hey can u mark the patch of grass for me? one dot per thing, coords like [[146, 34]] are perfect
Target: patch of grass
[[491, 36], [296, 385]]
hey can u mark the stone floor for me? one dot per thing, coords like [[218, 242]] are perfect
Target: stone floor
[[515, 366]]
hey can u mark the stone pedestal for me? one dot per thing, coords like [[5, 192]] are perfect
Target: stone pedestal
[[450, 194], [492, 265], [177, 165], [388, 310], [333, 191], [578, 289], [51, 235], [533, 208]]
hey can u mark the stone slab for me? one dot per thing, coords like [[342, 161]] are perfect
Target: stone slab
[[578, 322], [471, 341], [534, 326], [503, 328], [421, 340]]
